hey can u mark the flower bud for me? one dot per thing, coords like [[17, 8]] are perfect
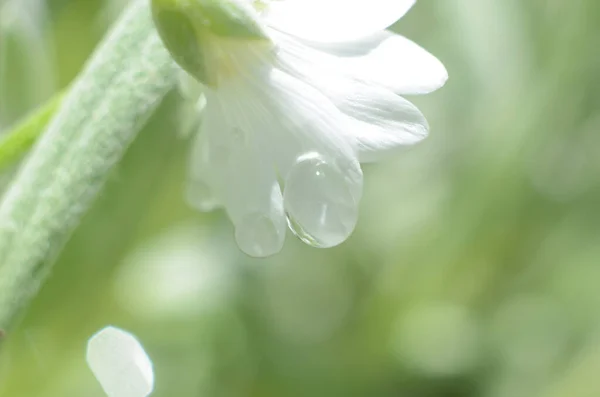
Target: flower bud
[[192, 29]]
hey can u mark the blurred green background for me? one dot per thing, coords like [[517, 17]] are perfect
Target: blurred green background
[[473, 272]]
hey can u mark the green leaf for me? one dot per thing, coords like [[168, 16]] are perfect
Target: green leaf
[[110, 101], [15, 143]]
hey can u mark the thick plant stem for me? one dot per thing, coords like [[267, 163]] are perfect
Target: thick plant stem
[[118, 90]]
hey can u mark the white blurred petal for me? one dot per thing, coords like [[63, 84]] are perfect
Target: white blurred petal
[[182, 273], [332, 21], [120, 363]]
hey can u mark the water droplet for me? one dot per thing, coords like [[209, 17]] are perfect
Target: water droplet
[[200, 196], [321, 200], [258, 235]]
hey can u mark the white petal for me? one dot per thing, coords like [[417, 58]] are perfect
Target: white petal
[[383, 123], [399, 65], [379, 121], [305, 135], [352, 48], [244, 180], [386, 59], [120, 363], [290, 118], [323, 186], [335, 20]]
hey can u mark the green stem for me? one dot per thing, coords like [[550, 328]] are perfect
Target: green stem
[[121, 86], [19, 140]]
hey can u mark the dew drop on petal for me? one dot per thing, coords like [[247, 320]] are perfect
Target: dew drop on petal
[[258, 235], [120, 364], [321, 200]]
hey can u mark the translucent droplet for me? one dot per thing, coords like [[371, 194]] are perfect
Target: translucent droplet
[[200, 196], [120, 363], [321, 200], [258, 235]]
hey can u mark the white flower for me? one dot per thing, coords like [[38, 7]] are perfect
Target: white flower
[[291, 111]]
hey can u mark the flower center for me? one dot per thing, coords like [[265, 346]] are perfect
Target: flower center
[[229, 59]]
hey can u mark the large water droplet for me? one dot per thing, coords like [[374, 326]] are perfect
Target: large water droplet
[[258, 235], [321, 200]]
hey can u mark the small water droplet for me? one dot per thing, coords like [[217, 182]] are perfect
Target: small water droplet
[[258, 235], [200, 196], [321, 200]]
